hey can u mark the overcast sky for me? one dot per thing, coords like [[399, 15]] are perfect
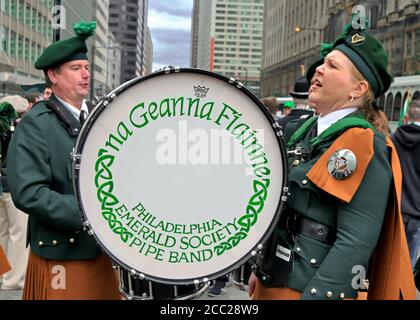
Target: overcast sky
[[170, 25]]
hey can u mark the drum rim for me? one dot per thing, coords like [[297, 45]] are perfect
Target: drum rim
[[102, 105]]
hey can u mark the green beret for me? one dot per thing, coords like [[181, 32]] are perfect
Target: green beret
[[67, 50], [366, 53]]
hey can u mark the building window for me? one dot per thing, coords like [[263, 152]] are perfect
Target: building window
[[33, 52], [21, 11], [4, 41], [28, 15], [3, 6], [33, 19], [20, 49], [27, 46], [13, 44], [14, 10], [412, 52]]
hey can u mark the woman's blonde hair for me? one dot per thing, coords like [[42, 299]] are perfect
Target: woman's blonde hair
[[369, 107]]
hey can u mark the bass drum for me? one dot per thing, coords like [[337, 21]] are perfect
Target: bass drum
[[180, 176]]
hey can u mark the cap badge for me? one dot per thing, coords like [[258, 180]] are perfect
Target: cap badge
[[357, 38], [342, 164]]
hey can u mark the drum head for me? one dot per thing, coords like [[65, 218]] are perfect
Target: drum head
[[180, 175]]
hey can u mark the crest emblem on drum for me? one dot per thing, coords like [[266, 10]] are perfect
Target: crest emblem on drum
[[201, 91], [342, 164]]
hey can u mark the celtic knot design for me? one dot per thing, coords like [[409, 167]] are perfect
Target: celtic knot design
[[105, 187], [253, 209]]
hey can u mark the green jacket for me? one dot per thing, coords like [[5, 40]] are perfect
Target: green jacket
[[40, 179], [319, 269]]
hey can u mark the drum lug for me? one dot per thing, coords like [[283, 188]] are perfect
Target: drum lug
[[85, 225], [276, 125], [278, 129], [115, 266], [107, 99], [75, 156], [286, 194], [236, 83], [171, 69], [111, 97], [87, 228]]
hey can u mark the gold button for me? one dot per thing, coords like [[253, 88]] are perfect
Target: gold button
[[304, 181], [40, 243], [296, 163], [313, 291], [329, 294], [54, 242], [71, 240]]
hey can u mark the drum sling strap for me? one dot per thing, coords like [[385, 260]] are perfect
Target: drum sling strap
[[70, 122]]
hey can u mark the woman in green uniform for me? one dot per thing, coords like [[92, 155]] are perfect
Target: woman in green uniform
[[341, 183]]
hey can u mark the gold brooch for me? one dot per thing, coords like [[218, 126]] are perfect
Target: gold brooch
[[357, 38]]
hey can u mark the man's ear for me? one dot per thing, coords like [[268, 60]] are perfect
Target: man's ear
[[52, 76], [360, 89]]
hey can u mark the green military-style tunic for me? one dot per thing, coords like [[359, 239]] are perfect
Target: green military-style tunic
[[40, 178], [330, 271]]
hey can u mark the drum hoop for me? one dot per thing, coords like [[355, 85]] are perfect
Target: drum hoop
[[102, 105]]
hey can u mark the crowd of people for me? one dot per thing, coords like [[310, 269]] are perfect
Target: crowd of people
[[353, 190]]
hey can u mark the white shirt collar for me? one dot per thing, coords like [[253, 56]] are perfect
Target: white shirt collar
[[326, 121], [74, 111]]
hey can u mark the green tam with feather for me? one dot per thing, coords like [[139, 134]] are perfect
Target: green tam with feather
[[67, 50], [365, 52]]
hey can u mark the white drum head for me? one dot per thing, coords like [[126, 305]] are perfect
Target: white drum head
[[180, 177]]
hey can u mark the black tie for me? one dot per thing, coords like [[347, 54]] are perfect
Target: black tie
[[82, 117]]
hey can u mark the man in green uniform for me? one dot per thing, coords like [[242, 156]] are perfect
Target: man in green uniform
[[65, 262]]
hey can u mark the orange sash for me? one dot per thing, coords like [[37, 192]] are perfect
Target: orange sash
[[391, 276]]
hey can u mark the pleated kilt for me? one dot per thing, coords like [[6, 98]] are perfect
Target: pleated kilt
[[48, 279]]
